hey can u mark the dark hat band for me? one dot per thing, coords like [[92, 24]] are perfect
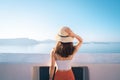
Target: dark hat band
[[63, 36]]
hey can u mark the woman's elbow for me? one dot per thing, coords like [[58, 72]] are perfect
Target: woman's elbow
[[52, 67]]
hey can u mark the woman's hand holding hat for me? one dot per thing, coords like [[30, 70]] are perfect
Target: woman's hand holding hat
[[70, 32]]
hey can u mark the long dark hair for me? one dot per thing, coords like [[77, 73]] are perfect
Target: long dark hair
[[64, 49]]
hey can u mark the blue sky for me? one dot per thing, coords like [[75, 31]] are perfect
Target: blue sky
[[93, 20]]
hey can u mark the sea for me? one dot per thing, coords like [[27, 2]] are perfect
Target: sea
[[95, 52]]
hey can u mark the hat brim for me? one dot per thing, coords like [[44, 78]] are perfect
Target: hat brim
[[64, 39]]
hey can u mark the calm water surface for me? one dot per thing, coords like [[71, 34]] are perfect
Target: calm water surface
[[88, 53], [46, 48]]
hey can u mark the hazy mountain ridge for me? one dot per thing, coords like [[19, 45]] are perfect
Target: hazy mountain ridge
[[27, 41]]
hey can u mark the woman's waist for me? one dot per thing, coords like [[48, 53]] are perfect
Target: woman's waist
[[64, 68]]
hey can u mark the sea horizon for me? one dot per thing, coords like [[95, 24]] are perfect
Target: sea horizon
[[26, 45]]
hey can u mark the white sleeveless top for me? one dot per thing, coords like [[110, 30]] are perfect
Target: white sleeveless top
[[64, 64]]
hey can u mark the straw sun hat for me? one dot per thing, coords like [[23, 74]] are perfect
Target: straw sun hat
[[63, 36]]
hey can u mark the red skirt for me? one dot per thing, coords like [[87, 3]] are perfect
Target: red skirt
[[64, 75]]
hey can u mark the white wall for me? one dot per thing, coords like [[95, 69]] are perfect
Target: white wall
[[29, 71], [104, 71], [15, 72]]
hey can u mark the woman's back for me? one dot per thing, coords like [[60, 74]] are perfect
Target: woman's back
[[63, 63]]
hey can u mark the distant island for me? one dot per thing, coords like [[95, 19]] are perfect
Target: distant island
[[27, 41], [18, 41]]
